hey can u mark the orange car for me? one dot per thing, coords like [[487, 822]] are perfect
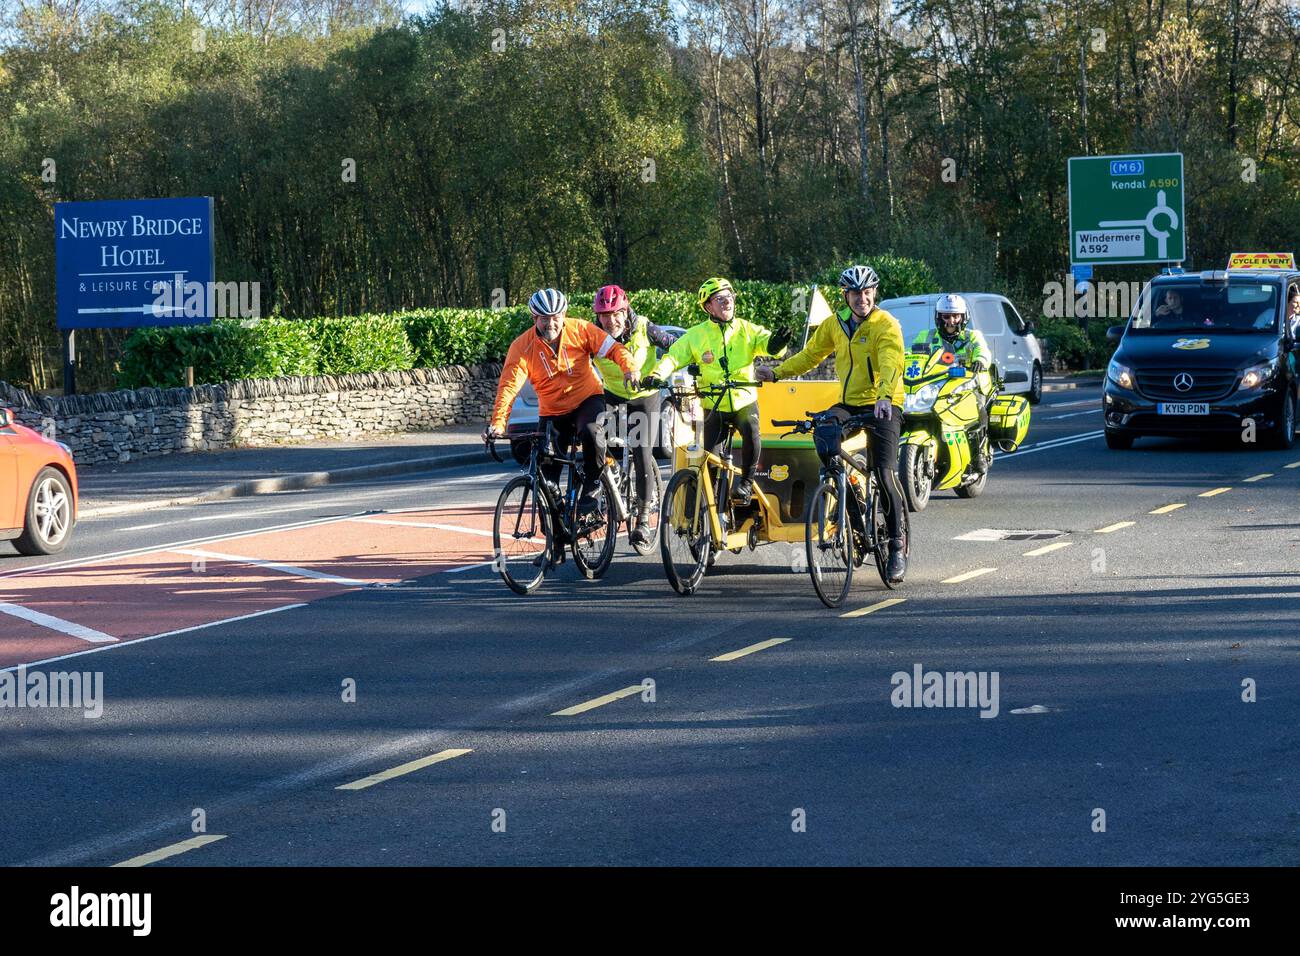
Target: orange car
[[38, 489]]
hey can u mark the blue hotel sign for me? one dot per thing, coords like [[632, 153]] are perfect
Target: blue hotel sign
[[118, 261]]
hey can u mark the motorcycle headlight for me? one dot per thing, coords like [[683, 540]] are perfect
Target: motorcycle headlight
[[922, 400], [1257, 375], [1121, 375]]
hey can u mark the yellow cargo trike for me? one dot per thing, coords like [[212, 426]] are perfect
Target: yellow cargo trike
[[699, 519]]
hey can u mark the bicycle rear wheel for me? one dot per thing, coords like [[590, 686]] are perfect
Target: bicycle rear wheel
[[684, 541], [878, 525], [595, 535], [634, 505], [830, 545], [521, 524]]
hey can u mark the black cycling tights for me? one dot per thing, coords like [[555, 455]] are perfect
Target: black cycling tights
[[643, 426], [746, 422], [585, 421], [883, 434]]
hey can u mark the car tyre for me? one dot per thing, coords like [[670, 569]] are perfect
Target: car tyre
[[48, 522], [1118, 441], [1036, 385], [1284, 436]]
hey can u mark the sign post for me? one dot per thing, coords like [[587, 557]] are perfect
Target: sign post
[[1127, 209]]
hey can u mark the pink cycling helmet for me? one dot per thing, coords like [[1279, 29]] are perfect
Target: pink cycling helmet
[[609, 298]]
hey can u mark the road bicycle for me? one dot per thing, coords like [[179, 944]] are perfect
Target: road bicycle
[[535, 521], [627, 467], [847, 516]]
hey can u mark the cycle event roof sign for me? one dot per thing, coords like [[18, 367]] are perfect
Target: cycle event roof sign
[[1261, 260], [113, 257], [1126, 209]]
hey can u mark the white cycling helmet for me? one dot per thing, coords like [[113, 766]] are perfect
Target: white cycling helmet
[[548, 302], [859, 277]]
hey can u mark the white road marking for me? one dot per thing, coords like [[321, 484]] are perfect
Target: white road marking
[[57, 624], [159, 549], [272, 566], [152, 637], [1049, 445], [426, 524], [1091, 411]]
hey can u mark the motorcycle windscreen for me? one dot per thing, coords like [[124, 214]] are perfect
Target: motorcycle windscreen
[[1008, 421]]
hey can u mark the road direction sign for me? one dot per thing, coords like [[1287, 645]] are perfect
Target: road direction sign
[[1126, 209]]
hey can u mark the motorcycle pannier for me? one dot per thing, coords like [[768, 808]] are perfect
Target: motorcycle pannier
[[1008, 421]]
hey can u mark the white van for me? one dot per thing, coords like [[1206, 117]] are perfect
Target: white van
[[1016, 351]]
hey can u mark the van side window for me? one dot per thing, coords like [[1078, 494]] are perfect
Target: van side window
[[989, 318], [1013, 319]]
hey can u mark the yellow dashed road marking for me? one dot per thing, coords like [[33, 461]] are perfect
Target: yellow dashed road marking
[[968, 575], [402, 770], [1115, 527], [753, 648], [1213, 492], [193, 843], [878, 606], [1166, 509], [1047, 549], [599, 701]]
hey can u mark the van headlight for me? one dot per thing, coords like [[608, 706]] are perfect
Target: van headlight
[[1121, 375], [922, 400], [1257, 375]]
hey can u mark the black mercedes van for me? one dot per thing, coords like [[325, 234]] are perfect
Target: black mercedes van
[[1202, 354]]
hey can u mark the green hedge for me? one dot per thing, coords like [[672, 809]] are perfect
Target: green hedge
[[230, 349]]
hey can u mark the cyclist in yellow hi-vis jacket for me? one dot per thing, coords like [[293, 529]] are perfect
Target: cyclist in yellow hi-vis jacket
[[725, 347], [868, 347]]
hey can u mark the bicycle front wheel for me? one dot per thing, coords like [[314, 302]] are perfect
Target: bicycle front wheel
[[829, 542], [595, 535], [684, 542], [521, 535]]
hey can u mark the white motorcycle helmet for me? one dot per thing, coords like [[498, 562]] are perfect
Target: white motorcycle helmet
[[951, 305]]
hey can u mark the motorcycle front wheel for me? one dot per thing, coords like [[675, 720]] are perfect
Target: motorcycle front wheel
[[916, 473]]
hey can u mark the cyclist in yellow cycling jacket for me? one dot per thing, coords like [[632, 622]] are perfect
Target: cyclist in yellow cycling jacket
[[725, 347], [868, 347]]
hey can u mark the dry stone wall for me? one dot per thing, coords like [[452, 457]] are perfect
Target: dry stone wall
[[149, 422]]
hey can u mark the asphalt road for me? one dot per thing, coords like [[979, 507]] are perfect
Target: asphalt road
[[1128, 645]]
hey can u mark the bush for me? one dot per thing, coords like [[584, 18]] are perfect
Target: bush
[[366, 343], [224, 350], [1067, 347], [899, 276], [443, 337], [228, 349]]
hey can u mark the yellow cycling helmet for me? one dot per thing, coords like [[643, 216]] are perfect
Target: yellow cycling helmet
[[711, 287]]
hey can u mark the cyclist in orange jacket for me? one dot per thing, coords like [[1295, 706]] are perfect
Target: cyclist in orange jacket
[[556, 355]]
